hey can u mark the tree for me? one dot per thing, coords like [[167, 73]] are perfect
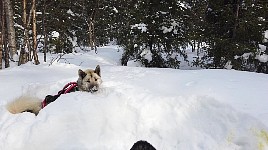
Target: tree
[[1, 35], [156, 33], [195, 22], [24, 53], [87, 14], [232, 29], [34, 34], [29, 47], [43, 30], [90, 20], [4, 39], [1, 49], [10, 27]]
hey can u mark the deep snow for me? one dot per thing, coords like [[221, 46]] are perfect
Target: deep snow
[[170, 108]]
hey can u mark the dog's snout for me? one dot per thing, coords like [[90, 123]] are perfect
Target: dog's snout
[[94, 89]]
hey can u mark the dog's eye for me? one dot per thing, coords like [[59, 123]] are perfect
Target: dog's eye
[[96, 79]]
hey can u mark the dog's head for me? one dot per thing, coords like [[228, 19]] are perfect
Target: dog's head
[[89, 80]]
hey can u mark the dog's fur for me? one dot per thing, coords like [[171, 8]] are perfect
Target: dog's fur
[[25, 103], [88, 80]]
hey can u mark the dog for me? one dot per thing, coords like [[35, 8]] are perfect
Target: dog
[[88, 81]]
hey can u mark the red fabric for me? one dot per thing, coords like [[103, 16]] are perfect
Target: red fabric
[[72, 85], [66, 89], [44, 104]]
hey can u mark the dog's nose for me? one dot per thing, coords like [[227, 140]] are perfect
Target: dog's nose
[[94, 89]]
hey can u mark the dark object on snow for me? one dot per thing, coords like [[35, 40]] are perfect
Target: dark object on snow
[[142, 145], [51, 98]]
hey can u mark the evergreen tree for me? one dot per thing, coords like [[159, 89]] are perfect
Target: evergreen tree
[[156, 33], [233, 29], [195, 27]]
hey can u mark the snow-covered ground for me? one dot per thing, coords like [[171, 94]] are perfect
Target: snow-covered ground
[[171, 109]]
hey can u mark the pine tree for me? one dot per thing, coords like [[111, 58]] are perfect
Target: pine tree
[[155, 28], [233, 28]]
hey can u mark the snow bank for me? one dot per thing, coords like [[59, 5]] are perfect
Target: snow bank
[[171, 109]]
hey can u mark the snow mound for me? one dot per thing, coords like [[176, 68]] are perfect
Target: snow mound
[[171, 109]]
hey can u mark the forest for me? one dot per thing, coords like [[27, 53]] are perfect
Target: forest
[[220, 32]]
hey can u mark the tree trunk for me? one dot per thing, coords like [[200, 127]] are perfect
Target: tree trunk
[[24, 53], [90, 34], [236, 17], [36, 61], [1, 35], [11, 29], [6, 51], [29, 49], [94, 38], [4, 36], [44, 31], [1, 49], [91, 28]]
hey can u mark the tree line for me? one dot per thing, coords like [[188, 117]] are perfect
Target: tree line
[[153, 32]]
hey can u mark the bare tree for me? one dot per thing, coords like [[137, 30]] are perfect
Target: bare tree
[[5, 52], [44, 30], [10, 27], [1, 37], [34, 35], [25, 53], [1, 50], [90, 20], [4, 40]]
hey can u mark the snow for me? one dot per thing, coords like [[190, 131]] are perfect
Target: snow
[[262, 47], [147, 54], [265, 36], [55, 34], [262, 58], [69, 11], [133, 63], [170, 108], [140, 26], [166, 30], [115, 10], [172, 27], [228, 65]]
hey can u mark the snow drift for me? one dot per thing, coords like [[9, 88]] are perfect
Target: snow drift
[[171, 109]]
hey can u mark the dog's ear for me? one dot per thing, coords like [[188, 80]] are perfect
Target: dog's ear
[[81, 73], [97, 70]]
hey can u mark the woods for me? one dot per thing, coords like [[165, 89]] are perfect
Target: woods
[[155, 33]]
